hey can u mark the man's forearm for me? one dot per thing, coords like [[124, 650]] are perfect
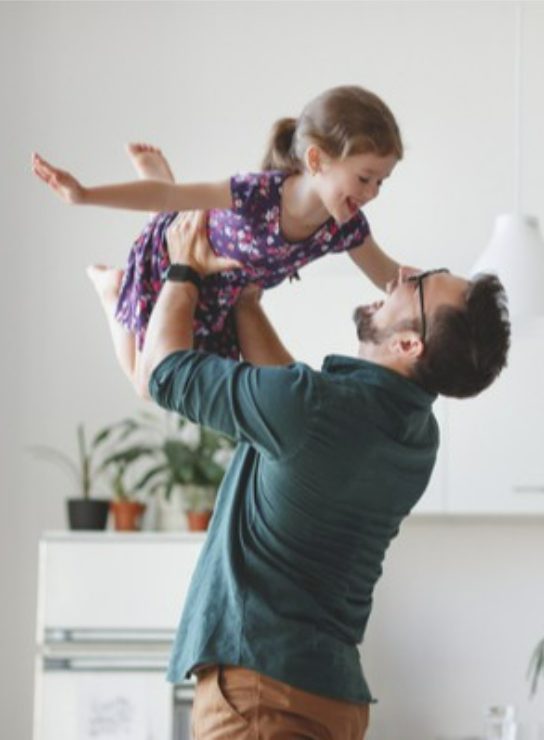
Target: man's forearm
[[170, 328], [259, 343]]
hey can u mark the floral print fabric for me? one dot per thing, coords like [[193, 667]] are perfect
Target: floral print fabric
[[251, 233]]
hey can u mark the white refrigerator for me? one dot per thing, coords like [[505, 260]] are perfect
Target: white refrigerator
[[108, 607]]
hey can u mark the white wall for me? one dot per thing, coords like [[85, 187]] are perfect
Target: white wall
[[205, 81], [455, 620]]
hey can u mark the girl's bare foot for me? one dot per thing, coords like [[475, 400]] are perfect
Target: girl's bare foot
[[149, 162], [107, 283]]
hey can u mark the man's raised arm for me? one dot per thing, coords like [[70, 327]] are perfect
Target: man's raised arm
[[171, 325], [258, 340]]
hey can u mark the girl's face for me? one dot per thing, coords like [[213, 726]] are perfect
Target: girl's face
[[345, 185]]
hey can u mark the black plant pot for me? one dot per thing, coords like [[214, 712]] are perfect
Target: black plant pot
[[89, 513]]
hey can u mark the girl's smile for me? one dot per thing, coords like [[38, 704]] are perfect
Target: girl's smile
[[345, 185]]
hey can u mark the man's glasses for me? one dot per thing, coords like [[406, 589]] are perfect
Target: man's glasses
[[418, 279]]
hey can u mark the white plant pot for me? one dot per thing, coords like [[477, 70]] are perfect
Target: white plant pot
[[171, 513]]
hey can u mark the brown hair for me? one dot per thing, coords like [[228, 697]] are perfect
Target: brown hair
[[342, 121], [467, 349]]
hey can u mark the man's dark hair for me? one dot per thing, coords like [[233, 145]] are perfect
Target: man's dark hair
[[466, 349]]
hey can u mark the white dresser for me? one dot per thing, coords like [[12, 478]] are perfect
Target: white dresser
[[108, 608]]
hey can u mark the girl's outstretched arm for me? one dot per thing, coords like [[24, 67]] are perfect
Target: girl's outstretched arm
[[374, 262], [142, 195], [377, 265]]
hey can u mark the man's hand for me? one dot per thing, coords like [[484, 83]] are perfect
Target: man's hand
[[188, 243], [249, 297], [63, 183]]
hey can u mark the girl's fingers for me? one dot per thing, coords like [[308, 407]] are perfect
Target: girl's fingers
[[43, 171], [39, 174], [42, 162], [44, 175]]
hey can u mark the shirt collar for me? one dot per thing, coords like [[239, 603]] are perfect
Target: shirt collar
[[375, 374]]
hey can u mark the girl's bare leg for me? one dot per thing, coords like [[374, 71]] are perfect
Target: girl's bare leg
[[107, 282], [150, 164]]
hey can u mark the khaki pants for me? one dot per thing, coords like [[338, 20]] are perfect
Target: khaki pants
[[234, 703]]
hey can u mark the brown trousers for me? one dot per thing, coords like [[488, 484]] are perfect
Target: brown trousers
[[234, 703]]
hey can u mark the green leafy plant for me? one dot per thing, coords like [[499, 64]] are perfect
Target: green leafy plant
[[536, 666], [90, 464], [199, 498], [146, 455], [182, 453]]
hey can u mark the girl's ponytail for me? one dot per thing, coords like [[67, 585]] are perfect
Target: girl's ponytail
[[341, 121], [280, 153]]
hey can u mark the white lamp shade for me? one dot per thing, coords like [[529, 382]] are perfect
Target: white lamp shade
[[516, 255]]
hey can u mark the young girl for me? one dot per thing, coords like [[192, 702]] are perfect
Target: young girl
[[318, 171]]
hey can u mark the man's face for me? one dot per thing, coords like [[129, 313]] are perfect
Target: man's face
[[401, 309]]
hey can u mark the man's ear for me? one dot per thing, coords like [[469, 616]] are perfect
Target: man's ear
[[406, 345], [315, 159]]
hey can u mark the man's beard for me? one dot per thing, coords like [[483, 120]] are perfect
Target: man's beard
[[367, 331]]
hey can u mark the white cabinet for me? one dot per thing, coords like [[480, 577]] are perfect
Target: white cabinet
[[495, 443], [100, 705], [108, 607], [115, 580]]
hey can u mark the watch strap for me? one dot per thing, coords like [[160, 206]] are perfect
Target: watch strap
[[179, 273]]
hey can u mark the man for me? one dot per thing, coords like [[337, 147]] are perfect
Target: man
[[328, 465]]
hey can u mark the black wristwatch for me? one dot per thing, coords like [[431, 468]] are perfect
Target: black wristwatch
[[179, 273]]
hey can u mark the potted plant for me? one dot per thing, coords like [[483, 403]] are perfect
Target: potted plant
[[199, 503], [85, 511], [189, 460], [126, 509], [536, 666]]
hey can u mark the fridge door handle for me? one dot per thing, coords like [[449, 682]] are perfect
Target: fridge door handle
[[101, 663], [56, 635]]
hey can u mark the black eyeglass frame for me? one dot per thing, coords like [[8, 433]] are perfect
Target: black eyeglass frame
[[418, 279]]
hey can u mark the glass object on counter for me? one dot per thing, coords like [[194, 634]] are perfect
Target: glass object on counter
[[500, 722]]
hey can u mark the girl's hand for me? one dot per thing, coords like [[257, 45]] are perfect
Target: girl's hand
[[408, 271], [188, 243], [403, 273], [63, 183]]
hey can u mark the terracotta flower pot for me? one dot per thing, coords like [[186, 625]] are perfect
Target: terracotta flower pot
[[127, 515], [198, 520]]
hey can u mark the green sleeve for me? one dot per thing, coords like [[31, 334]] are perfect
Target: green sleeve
[[267, 407]]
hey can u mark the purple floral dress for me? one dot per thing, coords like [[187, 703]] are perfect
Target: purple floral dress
[[250, 232]]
